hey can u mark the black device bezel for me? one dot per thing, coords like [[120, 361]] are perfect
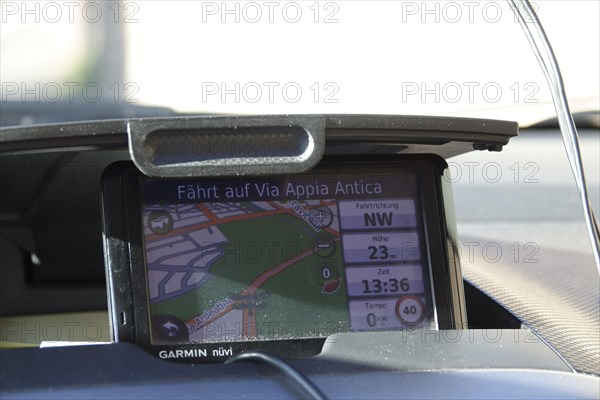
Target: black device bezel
[[126, 270]]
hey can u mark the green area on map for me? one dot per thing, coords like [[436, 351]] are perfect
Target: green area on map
[[295, 304]]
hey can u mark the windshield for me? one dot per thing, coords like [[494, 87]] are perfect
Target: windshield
[[378, 57]]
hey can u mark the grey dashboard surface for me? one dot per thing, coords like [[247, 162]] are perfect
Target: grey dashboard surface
[[427, 364], [552, 286], [524, 241], [510, 384]]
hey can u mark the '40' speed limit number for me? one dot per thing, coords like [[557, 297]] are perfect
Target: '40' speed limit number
[[410, 309]]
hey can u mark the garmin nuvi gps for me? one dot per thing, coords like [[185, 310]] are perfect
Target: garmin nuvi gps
[[220, 264], [203, 268]]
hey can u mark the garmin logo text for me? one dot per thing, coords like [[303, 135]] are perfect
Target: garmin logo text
[[166, 354]]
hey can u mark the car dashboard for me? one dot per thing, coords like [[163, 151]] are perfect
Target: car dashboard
[[380, 256]]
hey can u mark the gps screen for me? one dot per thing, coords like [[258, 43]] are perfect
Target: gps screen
[[280, 258]]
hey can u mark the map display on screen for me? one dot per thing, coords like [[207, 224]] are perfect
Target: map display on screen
[[281, 258]]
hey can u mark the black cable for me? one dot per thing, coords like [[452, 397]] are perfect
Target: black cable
[[301, 380]]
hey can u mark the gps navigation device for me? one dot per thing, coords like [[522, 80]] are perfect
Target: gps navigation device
[[201, 268], [223, 263]]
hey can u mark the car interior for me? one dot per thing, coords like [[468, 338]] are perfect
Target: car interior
[[150, 251]]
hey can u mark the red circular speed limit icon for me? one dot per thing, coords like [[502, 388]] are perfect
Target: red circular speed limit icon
[[410, 309]]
